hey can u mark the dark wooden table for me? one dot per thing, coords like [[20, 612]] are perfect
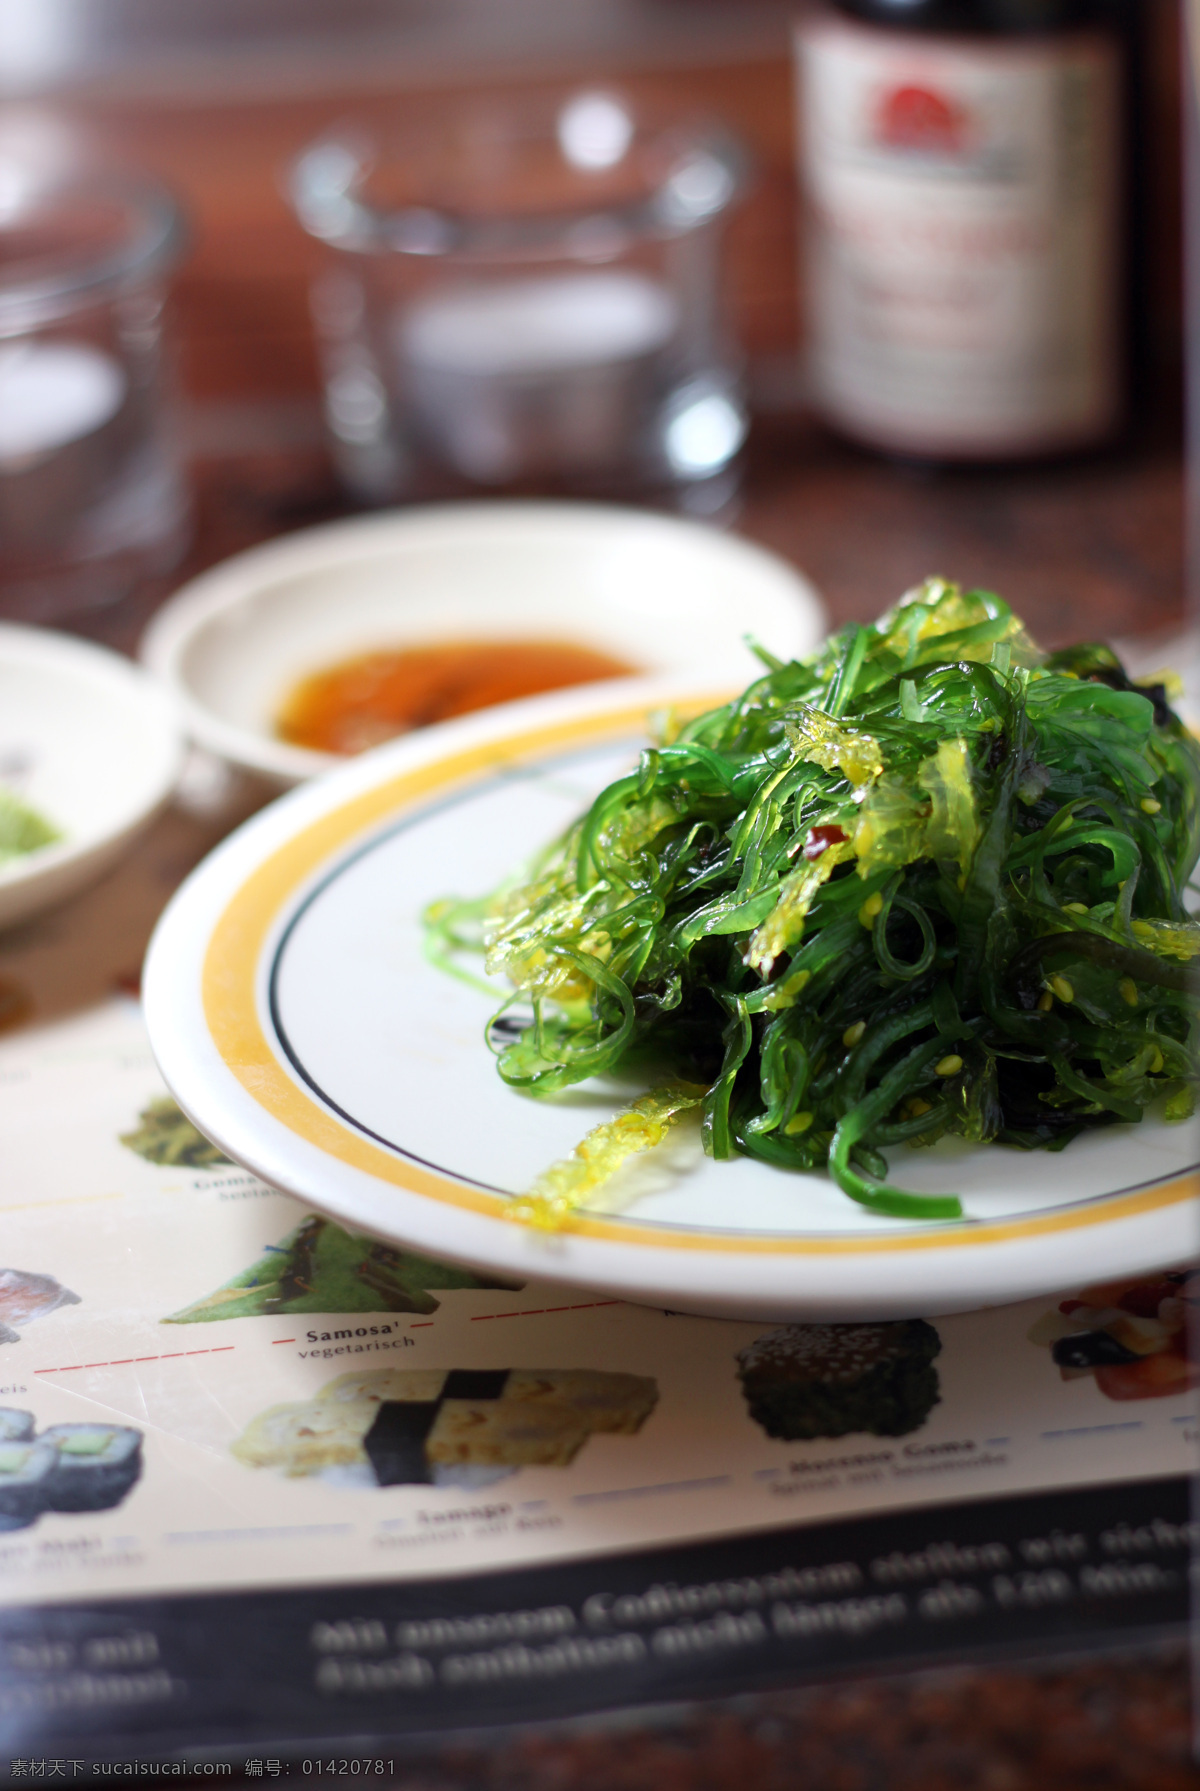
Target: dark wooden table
[[1115, 1724], [1083, 548]]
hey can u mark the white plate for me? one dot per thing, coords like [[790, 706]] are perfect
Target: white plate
[[297, 1021], [665, 596], [93, 745]]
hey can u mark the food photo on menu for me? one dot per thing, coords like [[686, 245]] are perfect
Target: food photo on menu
[[599, 918]]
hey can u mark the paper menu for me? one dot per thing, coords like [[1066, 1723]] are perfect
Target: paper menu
[[300, 1408], [140, 1242]]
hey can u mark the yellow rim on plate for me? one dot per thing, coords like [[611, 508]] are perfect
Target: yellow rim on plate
[[229, 992]]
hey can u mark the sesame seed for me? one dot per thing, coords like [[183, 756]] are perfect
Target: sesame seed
[[853, 1033], [819, 1352], [948, 1066], [800, 1123], [1062, 988], [1149, 806], [1127, 990]]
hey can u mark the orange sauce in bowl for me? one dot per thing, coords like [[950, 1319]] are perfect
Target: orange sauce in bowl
[[364, 701]]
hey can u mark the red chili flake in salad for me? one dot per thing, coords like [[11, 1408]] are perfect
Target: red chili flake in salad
[[819, 838]]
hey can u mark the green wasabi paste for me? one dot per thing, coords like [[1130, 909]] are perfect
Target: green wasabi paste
[[22, 829]]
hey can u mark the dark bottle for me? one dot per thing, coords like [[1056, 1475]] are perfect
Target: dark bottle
[[989, 16], [963, 163]]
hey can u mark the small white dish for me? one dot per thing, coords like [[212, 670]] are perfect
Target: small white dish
[[666, 596], [297, 1020], [93, 745]]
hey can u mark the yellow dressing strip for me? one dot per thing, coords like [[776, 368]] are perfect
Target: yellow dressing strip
[[229, 984]]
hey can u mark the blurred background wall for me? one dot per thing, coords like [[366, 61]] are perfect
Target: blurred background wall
[[215, 96]]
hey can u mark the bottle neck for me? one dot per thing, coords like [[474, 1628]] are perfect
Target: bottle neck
[[1014, 18]]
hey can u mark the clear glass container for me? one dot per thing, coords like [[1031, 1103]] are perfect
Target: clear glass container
[[527, 297], [92, 498]]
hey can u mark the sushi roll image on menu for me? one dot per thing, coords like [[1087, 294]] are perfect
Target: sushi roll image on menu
[[94, 1465], [816, 1380], [16, 1427], [446, 1426], [25, 1470]]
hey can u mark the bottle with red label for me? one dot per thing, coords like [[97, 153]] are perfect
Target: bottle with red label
[[963, 169]]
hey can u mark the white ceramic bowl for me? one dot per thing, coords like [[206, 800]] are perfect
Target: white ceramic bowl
[[664, 595], [93, 745]]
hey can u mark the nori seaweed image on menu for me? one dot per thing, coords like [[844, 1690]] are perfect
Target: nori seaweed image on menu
[[806, 1381], [318, 1267], [167, 1137], [445, 1427], [69, 1468], [25, 1296], [1130, 1337]]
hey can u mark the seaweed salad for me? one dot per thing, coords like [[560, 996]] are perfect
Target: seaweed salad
[[929, 881]]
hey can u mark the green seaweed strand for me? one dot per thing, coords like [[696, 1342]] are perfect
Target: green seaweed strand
[[927, 882]]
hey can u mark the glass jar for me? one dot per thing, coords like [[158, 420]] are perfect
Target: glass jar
[[92, 498], [526, 297]]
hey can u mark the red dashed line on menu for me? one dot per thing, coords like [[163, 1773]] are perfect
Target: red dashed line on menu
[[541, 1311], [224, 1348], [122, 1361]]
